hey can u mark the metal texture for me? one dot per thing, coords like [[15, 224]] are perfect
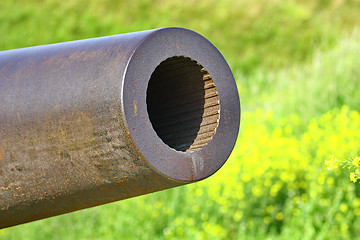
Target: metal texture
[[94, 121]]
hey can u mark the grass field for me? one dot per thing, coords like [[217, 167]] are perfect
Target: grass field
[[296, 63]]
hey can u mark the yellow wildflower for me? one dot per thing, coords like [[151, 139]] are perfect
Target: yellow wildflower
[[344, 207], [356, 161], [267, 220], [331, 163], [279, 216], [353, 177]]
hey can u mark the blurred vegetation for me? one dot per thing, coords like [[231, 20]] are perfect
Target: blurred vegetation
[[296, 63], [251, 34]]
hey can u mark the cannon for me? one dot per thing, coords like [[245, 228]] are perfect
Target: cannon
[[93, 121]]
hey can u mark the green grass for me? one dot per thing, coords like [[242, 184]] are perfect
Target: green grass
[[297, 68], [329, 79]]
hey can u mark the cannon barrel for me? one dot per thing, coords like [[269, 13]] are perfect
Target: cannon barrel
[[93, 121]]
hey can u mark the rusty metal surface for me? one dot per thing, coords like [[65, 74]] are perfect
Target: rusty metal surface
[[94, 121]]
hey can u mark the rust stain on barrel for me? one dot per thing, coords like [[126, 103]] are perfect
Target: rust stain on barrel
[[1, 150]]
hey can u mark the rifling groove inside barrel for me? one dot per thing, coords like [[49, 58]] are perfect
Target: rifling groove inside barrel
[[183, 104]]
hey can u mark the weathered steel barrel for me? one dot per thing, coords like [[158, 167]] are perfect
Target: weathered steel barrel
[[94, 121]]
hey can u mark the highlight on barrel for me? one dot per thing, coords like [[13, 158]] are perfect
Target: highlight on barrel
[[93, 121]]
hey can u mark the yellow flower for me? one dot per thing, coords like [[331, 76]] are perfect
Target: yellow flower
[[353, 177], [267, 220], [331, 163], [344, 207], [279, 216], [356, 161]]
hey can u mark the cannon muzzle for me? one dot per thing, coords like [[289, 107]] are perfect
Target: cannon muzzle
[[89, 122]]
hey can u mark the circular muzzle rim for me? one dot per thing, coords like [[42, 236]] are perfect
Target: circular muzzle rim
[[182, 166]]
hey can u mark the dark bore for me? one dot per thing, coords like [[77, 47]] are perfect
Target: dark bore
[[183, 104]]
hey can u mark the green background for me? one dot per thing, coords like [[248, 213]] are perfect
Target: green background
[[296, 63]]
